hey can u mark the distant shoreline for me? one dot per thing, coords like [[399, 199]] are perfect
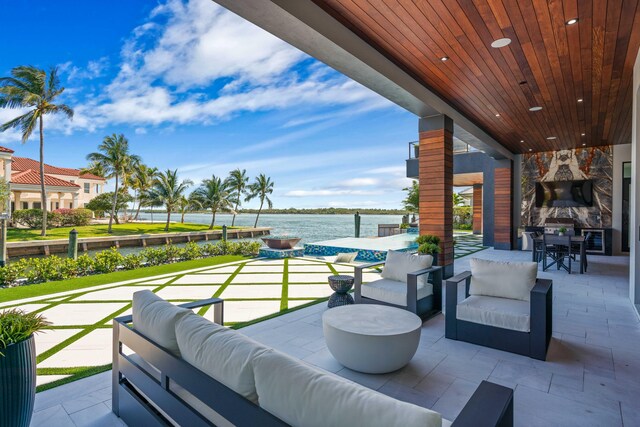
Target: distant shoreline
[[318, 211]]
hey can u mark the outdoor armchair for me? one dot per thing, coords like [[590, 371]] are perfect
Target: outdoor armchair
[[417, 289], [519, 321]]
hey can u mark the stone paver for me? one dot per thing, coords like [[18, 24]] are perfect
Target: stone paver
[[591, 376]]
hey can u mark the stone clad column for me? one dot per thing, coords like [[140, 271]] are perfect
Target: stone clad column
[[477, 208], [436, 184]]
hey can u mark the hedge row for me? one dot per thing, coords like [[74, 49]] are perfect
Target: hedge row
[[27, 271], [32, 218]]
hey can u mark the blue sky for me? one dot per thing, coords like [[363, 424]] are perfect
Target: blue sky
[[196, 88]]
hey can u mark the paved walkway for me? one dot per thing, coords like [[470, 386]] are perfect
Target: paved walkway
[[591, 376], [80, 335]]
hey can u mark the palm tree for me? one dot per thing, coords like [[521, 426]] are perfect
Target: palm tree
[[33, 89], [94, 169], [238, 181], [168, 190], [141, 181], [261, 188], [214, 194], [116, 162], [185, 205]]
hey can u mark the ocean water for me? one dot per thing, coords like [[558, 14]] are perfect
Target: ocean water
[[311, 228]]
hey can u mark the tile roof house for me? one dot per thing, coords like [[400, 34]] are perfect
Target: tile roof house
[[66, 187]]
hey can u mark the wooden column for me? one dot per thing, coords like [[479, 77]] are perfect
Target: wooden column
[[503, 201], [477, 209], [436, 184]]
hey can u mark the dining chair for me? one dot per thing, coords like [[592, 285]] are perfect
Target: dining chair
[[558, 249]]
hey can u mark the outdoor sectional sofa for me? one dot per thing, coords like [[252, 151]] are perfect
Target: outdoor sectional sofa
[[174, 367]]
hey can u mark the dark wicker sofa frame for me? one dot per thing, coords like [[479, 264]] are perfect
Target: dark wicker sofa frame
[[141, 398], [533, 344], [425, 307]]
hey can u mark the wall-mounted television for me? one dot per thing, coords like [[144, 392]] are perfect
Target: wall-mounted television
[[564, 194]]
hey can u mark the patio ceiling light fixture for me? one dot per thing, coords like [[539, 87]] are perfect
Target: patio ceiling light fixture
[[572, 21], [536, 108], [496, 44], [444, 58]]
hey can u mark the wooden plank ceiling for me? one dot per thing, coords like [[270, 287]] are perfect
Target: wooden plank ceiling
[[580, 74]]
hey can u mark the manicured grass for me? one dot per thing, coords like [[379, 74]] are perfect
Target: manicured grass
[[100, 230], [11, 294]]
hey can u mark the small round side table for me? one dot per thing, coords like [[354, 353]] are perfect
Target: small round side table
[[341, 284]]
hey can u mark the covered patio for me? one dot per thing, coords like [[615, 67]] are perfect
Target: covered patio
[[589, 378]]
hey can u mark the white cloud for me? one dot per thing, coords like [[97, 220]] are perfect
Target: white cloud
[[360, 182], [197, 63]]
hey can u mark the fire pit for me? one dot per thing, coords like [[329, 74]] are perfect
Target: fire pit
[[278, 242]]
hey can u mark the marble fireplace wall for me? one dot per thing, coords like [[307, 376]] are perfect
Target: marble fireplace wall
[[594, 163]]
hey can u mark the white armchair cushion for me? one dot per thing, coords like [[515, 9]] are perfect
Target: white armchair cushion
[[223, 354], [302, 395], [393, 292], [502, 279], [499, 312], [399, 264], [156, 319]]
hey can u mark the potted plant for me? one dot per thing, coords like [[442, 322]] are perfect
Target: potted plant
[[18, 366], [429, 244], [561, 231]]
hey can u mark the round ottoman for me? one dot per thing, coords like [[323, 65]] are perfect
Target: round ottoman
[[370, 338]]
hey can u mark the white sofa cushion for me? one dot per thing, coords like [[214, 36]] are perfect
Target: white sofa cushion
[[399, 264], [223, 354], [502, 279], [499, 312], [156, 319], [393, 292], [302, 395]]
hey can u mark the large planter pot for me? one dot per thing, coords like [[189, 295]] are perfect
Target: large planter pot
[[18, 383]]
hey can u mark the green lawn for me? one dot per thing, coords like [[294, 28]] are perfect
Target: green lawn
[[100, 230], [20, 292]]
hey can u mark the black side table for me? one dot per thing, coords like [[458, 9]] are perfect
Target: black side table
[[341, 284]]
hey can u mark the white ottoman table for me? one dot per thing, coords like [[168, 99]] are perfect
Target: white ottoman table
[[371, 338]]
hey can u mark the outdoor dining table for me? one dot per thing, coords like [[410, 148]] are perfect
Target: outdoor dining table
[[575, 240]]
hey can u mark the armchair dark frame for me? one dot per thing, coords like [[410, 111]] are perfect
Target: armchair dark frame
[[534, 343], [145, 399], [425, 307]]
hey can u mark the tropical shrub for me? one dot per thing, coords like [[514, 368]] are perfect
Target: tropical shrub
[[462, 217], [154, 256], [428, 238], [32, 218], [192, 250], [429, 248], [17, 325], [84, 265], [107, 261], [132, 261], [73, 217], [38, 270]]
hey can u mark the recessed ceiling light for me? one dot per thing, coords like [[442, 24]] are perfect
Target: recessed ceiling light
[[584, 145], [551, 137], [572, 21], [582, 134], [535, 108], [444, 58], [500, 43], [497, 115], [579, 99], [530, 149], [522, 140]]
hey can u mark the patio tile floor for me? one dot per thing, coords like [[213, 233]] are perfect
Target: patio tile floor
[[591, 377]]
